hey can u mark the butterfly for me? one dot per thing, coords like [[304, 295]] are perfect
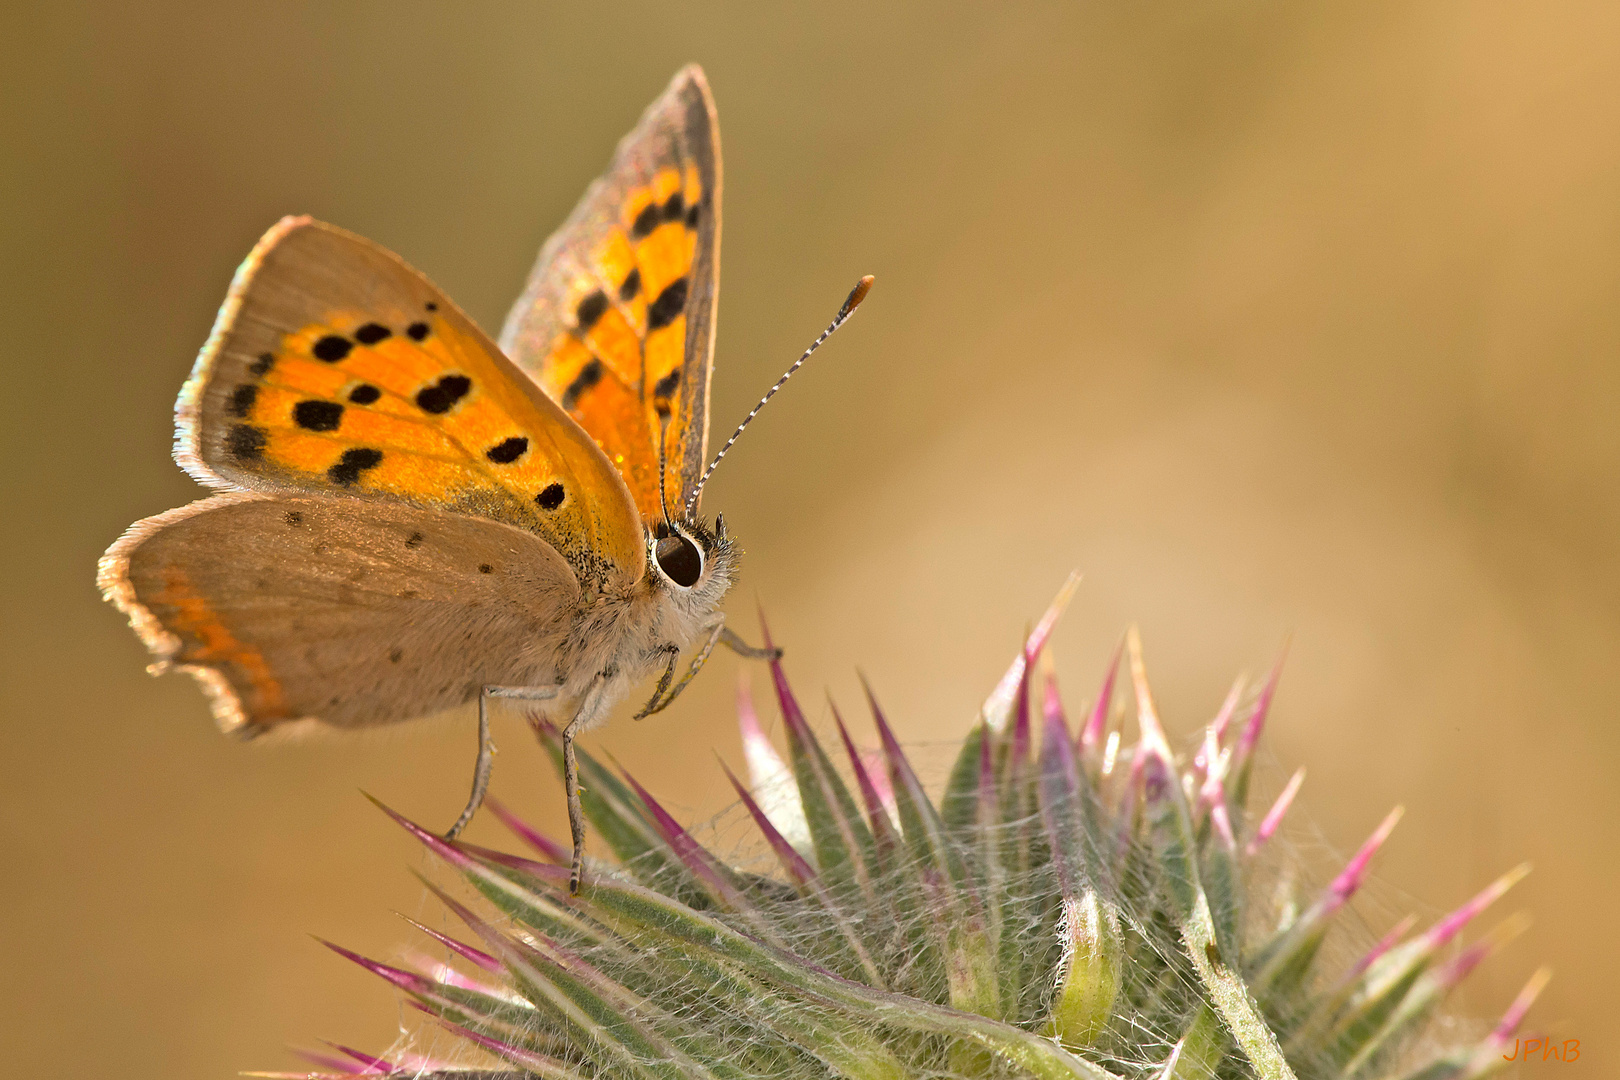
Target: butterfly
[[410, 517]]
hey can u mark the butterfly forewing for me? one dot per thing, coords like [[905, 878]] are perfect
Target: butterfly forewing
[[337, 369], [617, 320]]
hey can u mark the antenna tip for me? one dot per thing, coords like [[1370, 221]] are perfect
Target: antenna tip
[[856, 295]]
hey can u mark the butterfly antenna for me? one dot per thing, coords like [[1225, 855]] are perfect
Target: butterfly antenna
[[853, 301], [663, 452]]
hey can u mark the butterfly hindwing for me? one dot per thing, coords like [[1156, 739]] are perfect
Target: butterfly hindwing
[[336, 369], [342, 610], [617, 319]]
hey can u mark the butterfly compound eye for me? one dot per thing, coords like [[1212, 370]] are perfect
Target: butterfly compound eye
[[678, 558]]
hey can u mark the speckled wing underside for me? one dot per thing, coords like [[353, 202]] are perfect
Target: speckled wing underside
[[336, 369], [336, 609], [617, 321]]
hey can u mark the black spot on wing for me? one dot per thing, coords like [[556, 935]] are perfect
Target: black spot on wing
[[588, 376], [294, 517], [396, 655], [442, 395], [693, 213], [669, 305], [646, 221], [318, 415], [332, 348], [551, 497], [245, 442], [353, 462], [667, 386], [414, 540], [631, 284], [364, 394], [242, 399], [261, 366], [371, 333], [417, 331], [485, 568], [591, 309], [674, 207], [431, 306], [507, 451]]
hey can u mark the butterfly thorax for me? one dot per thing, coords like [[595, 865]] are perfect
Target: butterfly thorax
[[618, 638]]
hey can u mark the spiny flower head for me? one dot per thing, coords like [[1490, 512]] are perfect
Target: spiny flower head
[[1067, 907]]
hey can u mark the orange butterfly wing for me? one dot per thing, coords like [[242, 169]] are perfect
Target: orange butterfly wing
[[335, 368], [617, 320]]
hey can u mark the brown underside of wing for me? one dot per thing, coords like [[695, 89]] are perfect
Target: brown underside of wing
[[349, 613]]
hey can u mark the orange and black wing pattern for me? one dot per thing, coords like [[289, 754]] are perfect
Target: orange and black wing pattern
[[617, 320], [336, 369]]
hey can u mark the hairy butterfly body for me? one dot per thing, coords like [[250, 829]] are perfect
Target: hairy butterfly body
[[411, 518]]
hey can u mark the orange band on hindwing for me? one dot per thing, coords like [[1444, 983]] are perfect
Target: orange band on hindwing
[[211, 642]]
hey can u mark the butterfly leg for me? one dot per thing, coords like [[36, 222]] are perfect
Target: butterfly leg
[[674, 655], [702, 657], [486, 746], [736, 644], [576, 811]]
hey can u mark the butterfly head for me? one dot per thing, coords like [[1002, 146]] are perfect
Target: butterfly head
[[691, 560]]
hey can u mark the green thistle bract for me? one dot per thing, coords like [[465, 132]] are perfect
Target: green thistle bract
[[1086, 910]]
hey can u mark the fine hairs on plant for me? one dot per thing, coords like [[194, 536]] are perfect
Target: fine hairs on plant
[[1070, 904]]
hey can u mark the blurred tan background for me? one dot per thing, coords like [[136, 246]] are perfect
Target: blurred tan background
[[1268, 317]]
